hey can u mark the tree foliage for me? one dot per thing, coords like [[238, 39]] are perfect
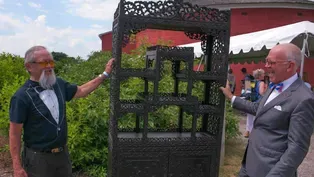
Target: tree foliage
[[58, 56]]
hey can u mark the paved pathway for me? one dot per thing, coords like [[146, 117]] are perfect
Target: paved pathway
[[305, 169]]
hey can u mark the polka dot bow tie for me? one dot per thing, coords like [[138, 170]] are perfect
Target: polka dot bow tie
[[278, 87]]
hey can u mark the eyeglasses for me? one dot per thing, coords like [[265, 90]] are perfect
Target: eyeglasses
[[272, 63], [45, 63]]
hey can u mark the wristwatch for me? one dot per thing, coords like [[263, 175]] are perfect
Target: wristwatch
[[104, 74]]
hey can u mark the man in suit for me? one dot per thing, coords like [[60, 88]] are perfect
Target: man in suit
[[284, 121]]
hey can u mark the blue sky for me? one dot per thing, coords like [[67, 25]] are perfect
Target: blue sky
[[69, 26]]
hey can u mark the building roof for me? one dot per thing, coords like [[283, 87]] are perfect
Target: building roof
[[104, 34], [304, 4], [221, 2]]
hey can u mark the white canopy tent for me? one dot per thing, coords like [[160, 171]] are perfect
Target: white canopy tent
[[255, 46]]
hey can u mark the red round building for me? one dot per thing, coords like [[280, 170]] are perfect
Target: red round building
[[246, 16]]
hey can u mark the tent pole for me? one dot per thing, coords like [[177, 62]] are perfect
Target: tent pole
[[305, 45], [199, 65], [302, 60]]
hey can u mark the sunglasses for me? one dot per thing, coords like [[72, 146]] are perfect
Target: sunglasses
[[45, 63]]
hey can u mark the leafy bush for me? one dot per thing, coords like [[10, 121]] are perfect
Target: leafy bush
[[88, 117], [11, 66], [13, 75], [232, 122]]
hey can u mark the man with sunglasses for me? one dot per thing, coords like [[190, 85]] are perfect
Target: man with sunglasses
[[284, 121], [39, 108]]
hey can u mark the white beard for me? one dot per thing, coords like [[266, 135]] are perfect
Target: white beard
[[47, 82]]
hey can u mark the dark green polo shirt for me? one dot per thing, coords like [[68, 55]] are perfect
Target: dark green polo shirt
[[41, 131]]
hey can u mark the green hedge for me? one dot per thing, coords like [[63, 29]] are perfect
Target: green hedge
[[12, 76], [88, 117]]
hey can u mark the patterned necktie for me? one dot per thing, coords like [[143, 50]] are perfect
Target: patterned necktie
[[278, 87]]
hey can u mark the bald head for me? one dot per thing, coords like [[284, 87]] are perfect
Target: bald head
[[282, 62], [291, 52]]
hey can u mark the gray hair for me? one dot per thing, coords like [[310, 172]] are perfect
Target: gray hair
[[29, 55], [294, 55], [257, 73]]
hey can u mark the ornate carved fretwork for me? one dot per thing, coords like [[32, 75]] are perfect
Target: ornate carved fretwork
[[176, 10], [189, 146]]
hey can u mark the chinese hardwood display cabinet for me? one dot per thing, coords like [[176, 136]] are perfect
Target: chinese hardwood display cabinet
[[191, 146]]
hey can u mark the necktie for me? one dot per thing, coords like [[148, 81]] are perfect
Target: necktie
[[278, 87]]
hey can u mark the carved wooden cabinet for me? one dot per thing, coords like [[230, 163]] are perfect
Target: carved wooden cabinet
[[191, 146]]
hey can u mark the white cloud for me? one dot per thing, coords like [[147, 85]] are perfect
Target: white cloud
[[37, 7], [41, 19], [19, 4], [24, 32], [34, 5], [93, 9], [29, 32], [1, 4], [7, 22], [97, 26], [27, 19]]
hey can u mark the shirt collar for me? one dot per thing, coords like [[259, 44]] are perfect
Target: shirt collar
[[35, 85], [32, 83], [289, 81]]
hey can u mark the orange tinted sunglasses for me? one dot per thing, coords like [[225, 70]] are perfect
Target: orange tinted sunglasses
[[45, 63]]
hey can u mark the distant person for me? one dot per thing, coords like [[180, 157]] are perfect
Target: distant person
[[246, 82], [246, 94], [258, 88], [232, 80], [260, 83], [266, 80]]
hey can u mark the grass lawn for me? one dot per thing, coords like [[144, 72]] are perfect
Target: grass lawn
[[5, 158], [234, 150]]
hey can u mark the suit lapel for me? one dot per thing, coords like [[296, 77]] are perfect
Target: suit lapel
[[276, 101], [280, 98], [263, 100]]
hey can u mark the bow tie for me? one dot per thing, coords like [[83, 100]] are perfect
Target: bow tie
[[39, 89], [278, 87]]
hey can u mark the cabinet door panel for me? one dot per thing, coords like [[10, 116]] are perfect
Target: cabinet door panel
[[189, 164], [143, 164]]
